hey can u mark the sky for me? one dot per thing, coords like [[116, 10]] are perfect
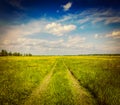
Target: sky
[[60, 27]]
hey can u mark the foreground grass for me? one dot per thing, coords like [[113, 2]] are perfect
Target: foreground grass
[[58, 91], [57, 80], [100, 75], [62, 90], [19, 76]]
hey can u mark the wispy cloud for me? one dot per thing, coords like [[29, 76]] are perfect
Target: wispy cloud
[[106, 16], [84, 20], [16, 3], [93, 16], [67, 6], [112, 20]]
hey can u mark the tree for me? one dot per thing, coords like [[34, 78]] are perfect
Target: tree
[[10, 53], [29, 54], [4, 53]]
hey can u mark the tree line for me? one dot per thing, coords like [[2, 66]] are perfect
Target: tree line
[[6, 53]]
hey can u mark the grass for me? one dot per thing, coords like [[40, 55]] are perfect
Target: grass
[[58, 91], [100, 75], [60, 80], [19, 76]]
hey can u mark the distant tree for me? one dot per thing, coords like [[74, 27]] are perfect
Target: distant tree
[[30, 54], [24, 54], [16, 54], [27, 54], [10, 53], [4, 53], [21, 55]]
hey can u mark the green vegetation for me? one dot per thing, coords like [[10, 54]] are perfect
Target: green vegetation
[[100, 75], [6, 53], [60, 80], [19, 76]]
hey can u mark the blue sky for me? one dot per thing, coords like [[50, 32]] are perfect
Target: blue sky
[[60, 27]]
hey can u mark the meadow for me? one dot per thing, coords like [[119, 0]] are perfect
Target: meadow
[[60, 80]]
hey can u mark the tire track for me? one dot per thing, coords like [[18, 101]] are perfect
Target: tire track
[[40, 90], [81, 95]]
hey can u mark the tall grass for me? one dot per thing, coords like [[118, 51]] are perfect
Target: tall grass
[[19, 76], [58, 91], [100, 75]]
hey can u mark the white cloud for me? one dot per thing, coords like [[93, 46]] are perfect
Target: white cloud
[[114, 34], [18, 37], [108, 48], [44, 46], [36, 27], [75, 41], [21, 30], [58, 29], [97, 36], [67, 6], [31, 45]]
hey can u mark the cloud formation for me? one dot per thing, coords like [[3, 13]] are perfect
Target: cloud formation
[[94, 16], [114, 34], [85, 32], [67, 6], [22, 30], [58, 29]]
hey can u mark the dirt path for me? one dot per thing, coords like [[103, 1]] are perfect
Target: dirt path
[[39, 91], [81, 95]]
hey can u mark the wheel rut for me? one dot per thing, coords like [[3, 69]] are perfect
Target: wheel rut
[[81, 95], [39, 91]]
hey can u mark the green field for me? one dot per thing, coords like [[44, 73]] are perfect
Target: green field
[[60, 80]]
